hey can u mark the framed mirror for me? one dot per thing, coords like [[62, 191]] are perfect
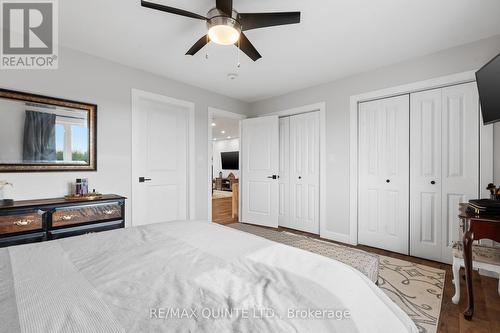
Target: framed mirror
[[39, 133]]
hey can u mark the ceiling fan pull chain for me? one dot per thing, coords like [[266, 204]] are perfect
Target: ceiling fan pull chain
[[206, 53], [238, 65]]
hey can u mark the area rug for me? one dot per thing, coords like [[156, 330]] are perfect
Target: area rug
[[221, 194], [366, 263], [416, 289]]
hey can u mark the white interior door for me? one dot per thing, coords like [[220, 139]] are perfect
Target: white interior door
[[260, 165], [425, 174], [159, 161], [383, 189], [460, 157], [304, 172]]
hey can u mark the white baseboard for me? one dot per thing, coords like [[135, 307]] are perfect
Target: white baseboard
[[335, 236]]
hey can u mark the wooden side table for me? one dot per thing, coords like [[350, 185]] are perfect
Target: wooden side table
[[476, 227]]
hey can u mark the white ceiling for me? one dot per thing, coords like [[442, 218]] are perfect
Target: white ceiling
[[336, 38], [231, 128]]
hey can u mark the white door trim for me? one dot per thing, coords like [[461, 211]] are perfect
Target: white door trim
[[136, 94], [321, 107], [221, 114], [434, 83]]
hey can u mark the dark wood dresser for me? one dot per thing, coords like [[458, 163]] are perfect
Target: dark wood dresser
[[30, 221]]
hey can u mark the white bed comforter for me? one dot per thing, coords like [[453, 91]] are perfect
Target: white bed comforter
[[185, 277]]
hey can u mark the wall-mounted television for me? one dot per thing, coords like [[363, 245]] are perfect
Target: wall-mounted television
[[488, 83], [230, 160]]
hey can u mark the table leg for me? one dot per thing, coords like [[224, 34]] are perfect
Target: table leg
[[468, 239]]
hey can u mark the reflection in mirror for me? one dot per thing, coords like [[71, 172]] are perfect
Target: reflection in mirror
[[34, 133]]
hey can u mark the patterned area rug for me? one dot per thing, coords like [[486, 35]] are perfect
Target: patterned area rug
[[221, 194], [417, 289], [366, 263]]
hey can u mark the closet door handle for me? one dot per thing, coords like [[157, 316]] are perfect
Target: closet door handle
[[388, 181], [300, 177], [433, 182]]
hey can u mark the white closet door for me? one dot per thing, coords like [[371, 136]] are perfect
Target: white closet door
[[460, 157], [260, 164], [383, 173], [304, 172], [425, 174], [284, 173]]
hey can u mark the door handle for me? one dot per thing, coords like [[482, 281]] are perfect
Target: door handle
[[433, 182], [273, 177], [388, 181], [300, 177], [142, 179]]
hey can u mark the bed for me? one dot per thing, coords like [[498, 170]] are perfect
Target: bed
[[185, 276]]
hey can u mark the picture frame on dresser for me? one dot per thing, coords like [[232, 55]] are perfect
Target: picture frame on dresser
[[42, 134]]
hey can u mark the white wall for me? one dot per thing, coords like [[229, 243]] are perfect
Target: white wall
[[336, 95], [12, 117], [86, 78], [90, 79], [220, 147]]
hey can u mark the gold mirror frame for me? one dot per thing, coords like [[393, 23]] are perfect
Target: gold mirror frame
[[91, 110]]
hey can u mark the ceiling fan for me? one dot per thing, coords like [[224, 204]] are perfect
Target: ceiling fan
[[226, 25]]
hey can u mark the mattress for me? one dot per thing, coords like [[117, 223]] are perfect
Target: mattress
[[185, 276]]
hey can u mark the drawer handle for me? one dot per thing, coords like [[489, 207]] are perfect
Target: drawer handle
[[110, 212], [67, 217], [22, 223]]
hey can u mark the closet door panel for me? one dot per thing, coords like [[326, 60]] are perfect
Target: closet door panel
[[425, 174], [383, 173], [304, 172], [460, 156], [284, 174], [370, 173]]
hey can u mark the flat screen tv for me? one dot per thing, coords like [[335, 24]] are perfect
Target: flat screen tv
[[488, 83], [230, 160]]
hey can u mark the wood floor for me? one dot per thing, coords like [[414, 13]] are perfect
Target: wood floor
[[221, 211], [487, 300]]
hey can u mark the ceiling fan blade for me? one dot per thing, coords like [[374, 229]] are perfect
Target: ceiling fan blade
[[225, 5], [198, 45], [260, 20], [248, 48], [171, 10]]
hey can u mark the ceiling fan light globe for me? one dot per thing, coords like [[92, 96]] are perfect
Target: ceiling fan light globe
[[223, 34]]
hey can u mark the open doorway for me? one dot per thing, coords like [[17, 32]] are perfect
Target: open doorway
[[224, 168]]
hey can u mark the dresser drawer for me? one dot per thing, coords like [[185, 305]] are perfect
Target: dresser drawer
[[21, 222], [31, 237], [86, 214], [85, 229]]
